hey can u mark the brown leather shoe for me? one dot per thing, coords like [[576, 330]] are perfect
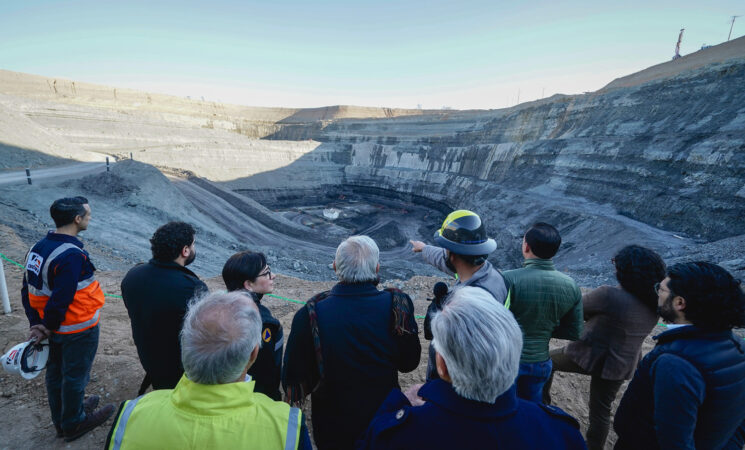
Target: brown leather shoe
[[91, 421], [89, 405]]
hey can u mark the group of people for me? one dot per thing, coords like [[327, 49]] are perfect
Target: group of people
[[219, 367]]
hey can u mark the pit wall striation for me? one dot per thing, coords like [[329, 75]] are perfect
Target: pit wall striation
[[668, 153]]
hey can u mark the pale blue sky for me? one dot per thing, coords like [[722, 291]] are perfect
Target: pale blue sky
[[461, 54]]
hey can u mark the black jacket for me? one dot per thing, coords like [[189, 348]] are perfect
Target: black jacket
[[266, 371], [361, 357], [156, 295]]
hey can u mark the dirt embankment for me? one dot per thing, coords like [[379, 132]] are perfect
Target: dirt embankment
[[714, 54]]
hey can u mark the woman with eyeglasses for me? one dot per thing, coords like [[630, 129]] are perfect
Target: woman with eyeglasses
[[248, 272], [617, 320]]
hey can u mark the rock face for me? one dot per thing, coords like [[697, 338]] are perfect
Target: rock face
[[669, 153], [652, 154]]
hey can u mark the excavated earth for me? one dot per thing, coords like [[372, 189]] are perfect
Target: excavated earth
[[655, 158]]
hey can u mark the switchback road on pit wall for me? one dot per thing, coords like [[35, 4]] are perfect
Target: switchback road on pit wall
[[54, 174]]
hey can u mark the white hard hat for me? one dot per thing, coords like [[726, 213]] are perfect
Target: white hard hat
[[27, 358]]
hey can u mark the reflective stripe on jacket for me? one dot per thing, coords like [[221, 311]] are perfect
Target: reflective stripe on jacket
[[197, 416], [42, 262]]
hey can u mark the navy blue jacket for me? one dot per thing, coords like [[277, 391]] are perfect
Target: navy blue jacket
[[267, 369], [68, 268], [449, 421], [361, 358], [688, 392]]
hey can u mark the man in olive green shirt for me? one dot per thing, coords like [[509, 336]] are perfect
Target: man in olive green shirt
[[546, 303]]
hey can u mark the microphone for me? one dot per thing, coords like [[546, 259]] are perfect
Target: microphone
[[440, 290]]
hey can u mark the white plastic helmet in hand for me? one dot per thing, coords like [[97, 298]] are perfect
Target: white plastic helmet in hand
[[27, 358]]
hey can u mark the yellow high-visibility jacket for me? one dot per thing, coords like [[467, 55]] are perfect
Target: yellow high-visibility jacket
[[198, 416]]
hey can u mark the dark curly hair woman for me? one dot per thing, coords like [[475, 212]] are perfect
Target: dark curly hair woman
[[618, 319]]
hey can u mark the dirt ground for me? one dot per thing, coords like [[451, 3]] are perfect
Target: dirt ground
[[116, 373]]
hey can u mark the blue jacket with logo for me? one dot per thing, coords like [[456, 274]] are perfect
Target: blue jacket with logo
[[688, 392], [267, 369], [449, 421], [67, 265]]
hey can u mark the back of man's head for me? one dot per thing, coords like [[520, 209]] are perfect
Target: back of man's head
[[713, 298], [219, 334], [168, 240], [480, 342], [356, 260], [543, 239], [64, 210]]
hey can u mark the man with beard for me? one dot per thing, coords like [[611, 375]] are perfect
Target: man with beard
[[689, 391], [157, 295]]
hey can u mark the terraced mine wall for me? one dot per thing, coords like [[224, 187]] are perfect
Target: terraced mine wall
[[668, 153], [655, 158]]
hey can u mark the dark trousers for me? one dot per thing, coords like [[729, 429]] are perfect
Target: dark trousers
[[431, 364], [602, 394], [531, 377], [68, 371]]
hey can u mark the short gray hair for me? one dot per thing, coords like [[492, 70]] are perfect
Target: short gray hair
[[219, 333], [357, 260], [480, 342]]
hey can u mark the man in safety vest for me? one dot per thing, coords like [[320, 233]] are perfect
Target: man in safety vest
[[63, 300], [215, 404]]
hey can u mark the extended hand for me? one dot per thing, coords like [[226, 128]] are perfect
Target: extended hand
[[417, 246], [38, 333], [412, 396]]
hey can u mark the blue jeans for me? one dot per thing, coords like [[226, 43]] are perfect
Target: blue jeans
[[68, 371], [530, 380]]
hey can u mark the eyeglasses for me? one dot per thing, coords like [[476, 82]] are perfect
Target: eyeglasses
[[658, 288], [268, 273]]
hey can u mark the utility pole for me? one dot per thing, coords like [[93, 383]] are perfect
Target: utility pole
[[730, 27], [677, 46]]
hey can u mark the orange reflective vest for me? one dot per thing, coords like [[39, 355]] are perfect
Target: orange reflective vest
[[42, 264]]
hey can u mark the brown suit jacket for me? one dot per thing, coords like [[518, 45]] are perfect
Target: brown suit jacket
[[617, 323]]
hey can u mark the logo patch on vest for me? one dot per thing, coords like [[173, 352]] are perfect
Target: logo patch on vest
[[35, 262], [266, 335]]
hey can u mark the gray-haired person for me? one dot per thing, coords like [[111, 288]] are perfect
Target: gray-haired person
[[214, 404], [474, 403], [348, 345]]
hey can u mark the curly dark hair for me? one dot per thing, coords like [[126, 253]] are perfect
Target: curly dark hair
[[241, 267], [637, 270], [168, 240], [714, 299]]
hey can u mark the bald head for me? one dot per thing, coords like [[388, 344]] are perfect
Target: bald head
[[220, 332]]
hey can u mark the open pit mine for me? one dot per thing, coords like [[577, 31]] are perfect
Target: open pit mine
[[656, 158]]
